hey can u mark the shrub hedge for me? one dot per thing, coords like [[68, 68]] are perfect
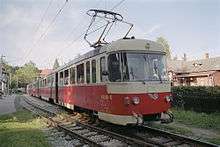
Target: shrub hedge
[[197, 98]]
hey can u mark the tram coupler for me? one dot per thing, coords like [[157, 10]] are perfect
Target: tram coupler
[[167, 117], [139, 118]]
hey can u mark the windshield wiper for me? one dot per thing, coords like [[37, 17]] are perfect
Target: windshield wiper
[[158, 73]]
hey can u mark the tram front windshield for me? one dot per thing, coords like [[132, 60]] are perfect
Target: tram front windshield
[[125, 67]]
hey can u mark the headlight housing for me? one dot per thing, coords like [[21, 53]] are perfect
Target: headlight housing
[[135, 100]]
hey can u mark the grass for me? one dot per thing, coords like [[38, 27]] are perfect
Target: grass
[[190, 120], [173, 129], [21, 129], [214, 140], [199, 120]]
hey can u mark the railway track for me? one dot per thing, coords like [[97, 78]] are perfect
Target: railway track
[[87, 134], [156, 136], [112, 135], [171, 139]]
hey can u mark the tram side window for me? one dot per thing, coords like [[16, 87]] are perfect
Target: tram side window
[[114, 68], [72, 75], [80, 73], [103, 74], [52, 81], [88, 72], [45, 82], [41, 83], [61, 78], [48, 81], [93, 71], [66, 77]]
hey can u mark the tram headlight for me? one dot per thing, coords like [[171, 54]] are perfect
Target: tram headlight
[[126, 101], [135, 100]]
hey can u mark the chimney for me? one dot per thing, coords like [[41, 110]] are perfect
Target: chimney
[[206, 55], [184, 57]]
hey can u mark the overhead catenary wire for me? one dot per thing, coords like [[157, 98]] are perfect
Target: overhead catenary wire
[[116, 5], [79, 36], [73, 30], [37, 27], [47, 29], [43, 16]]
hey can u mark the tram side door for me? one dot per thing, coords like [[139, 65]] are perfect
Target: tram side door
[[56, 87]]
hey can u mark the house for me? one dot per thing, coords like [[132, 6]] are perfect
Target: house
[[203, 72], [45, 72]]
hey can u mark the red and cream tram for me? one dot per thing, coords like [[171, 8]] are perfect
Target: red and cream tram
[[122, 82]]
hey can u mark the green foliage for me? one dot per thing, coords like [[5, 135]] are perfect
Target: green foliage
[[21, 129], [173, 128], [56, 64], [26, 74], [20, 76], [200, 120], [197, 98], [165, 44], [194, 124]]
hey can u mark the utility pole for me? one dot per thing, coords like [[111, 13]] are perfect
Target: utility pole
[[1, 76]]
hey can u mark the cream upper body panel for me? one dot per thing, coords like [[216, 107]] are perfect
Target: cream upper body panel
[[134, 44], [138, 87]]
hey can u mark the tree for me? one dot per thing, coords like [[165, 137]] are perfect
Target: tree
[[26, 74], [56, 64], [166, 46]]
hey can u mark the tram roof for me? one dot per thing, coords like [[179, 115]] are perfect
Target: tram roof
[[118, 45]]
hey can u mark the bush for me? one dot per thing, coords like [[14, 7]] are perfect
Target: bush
[[200, 99]]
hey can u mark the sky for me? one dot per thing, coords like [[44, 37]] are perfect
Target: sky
[[28, 30]]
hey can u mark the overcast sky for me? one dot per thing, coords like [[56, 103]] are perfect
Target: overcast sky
[[190, 26]]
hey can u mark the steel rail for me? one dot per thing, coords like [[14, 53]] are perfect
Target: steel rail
[[127, 140], [177, 137], [70, 132], [81, 137]]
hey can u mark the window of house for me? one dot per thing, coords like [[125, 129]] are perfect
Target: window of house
[[72, 75], [88, 72], [93, 71], [66, 77], [103, 69], [61, 78], [80, 73]]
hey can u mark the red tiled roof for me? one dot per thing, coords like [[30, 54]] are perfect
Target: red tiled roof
[[45, 72], [198, 74]]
